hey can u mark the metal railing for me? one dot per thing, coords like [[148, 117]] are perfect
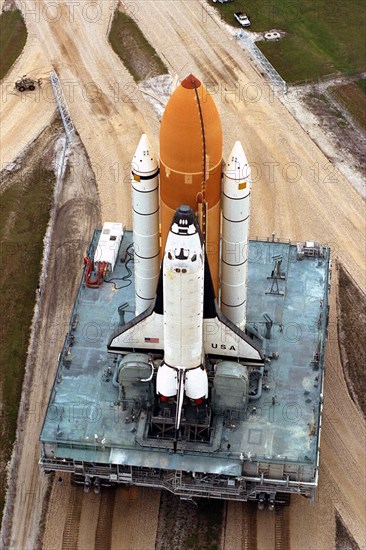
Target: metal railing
[[247, 43], [62, 105]]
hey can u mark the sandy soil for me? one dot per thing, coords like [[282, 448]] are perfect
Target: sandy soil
[[24, 116], [57, 511], [240, 529], [332, 129], [344, 541], [296, 192], [105, 104], [135, 519]]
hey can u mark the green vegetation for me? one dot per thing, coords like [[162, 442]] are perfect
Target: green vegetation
[[138, 56], [13, 36], [361, 84], [322, 37], [353, 98], [24, 215]]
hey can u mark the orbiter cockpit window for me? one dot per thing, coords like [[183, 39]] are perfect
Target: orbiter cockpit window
[[181, 254]]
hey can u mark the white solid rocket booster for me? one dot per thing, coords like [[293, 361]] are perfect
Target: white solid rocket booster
[[235, 230], [145, 219]]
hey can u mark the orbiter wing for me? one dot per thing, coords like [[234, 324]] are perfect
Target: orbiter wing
[[143, 333], [221, 338]]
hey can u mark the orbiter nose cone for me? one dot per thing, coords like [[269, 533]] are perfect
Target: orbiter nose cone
[[184, 216], [184, 209]]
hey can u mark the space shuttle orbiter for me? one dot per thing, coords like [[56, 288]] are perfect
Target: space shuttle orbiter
[[177, 314], [184, 323]]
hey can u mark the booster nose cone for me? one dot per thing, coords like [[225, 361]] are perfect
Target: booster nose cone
[[237, 161], [144, 162], [191, 162], [237, 175]]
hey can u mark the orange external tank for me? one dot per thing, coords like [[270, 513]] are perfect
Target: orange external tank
[[191, 164]]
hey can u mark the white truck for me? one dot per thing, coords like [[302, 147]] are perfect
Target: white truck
[[242, 19]]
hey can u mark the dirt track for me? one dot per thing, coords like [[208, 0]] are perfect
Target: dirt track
[[23, 117], [289, 196]]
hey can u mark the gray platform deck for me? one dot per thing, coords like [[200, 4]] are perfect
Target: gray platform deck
[[84, 421]]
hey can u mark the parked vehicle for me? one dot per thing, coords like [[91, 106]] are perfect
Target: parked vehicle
[[242, 19]]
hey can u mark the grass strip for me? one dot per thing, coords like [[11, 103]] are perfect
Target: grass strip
[[353, 98], [135, 52], [13, 36], [24, 215]]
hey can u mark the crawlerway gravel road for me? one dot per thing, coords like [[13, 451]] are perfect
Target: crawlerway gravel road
[[296, 192]]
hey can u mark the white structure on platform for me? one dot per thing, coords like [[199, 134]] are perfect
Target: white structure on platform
[[108, 245]]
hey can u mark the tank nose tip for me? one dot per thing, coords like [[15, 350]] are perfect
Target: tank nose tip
[[191, 82]]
